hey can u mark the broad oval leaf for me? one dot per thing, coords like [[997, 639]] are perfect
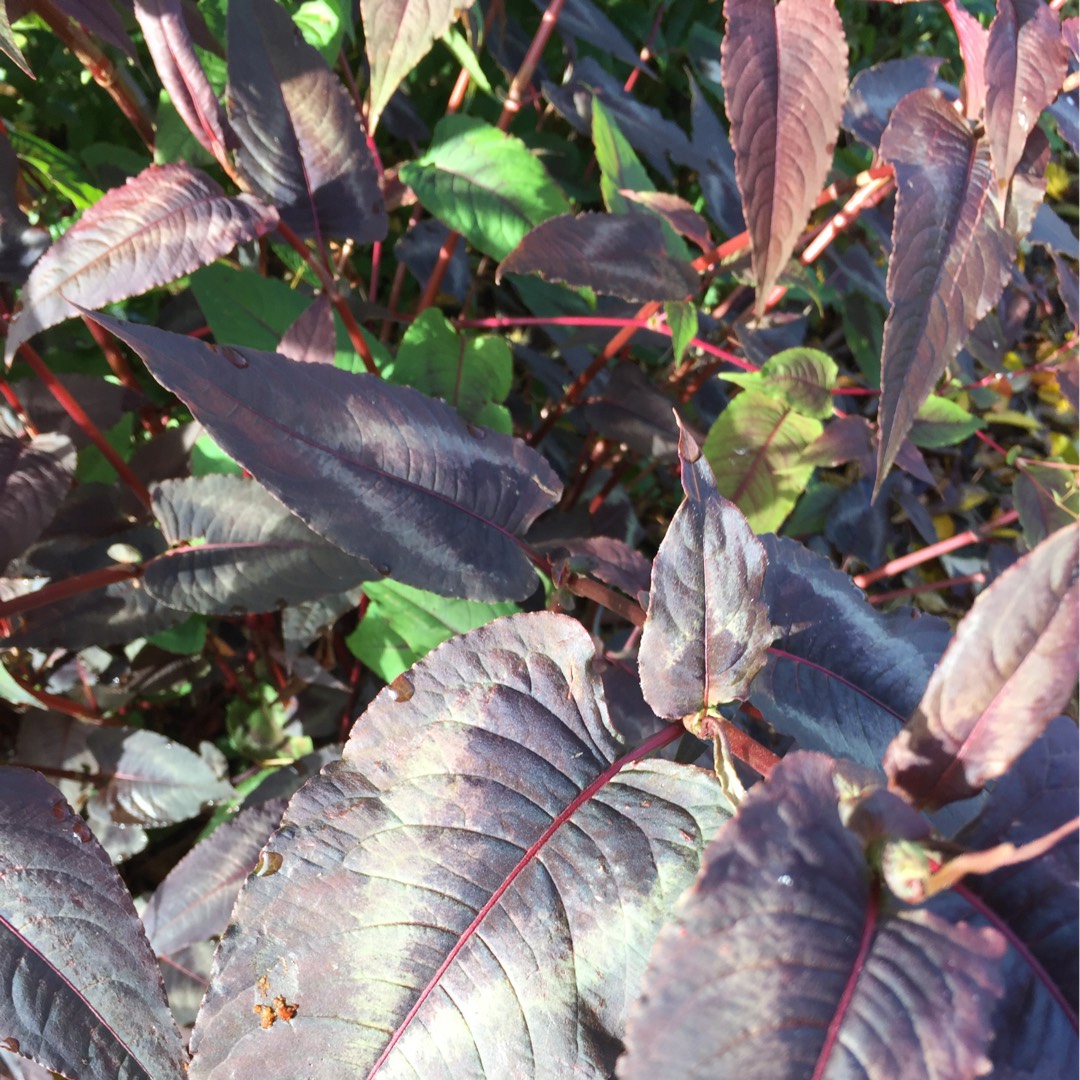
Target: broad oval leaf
[[799, 968], [160, 225], [707, 628], [34, 478], [875, 92], [801, 378], [80, 992], [1011, 666], [484, 184], [233, 546], [475, 926], [397, 35], [617, 254], [841, 677], [784, 69], [951, 256], [382, 471], [301, 145]]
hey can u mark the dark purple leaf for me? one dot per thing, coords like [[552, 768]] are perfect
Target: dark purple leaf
[[783, 961], [973, 39], [397, 35], [34, 478], [715, 163], [1010, 668], [104, 402], [193, 903], [618, 254], [301, 144], [707, 628], [847, 438], [234, 548], [8, 43], [677, 212], [79, 989], [606, 558], [311, 338], [419, 250], [167, 455], [301, 624], [21, 244], [785, 76], [1069, 291], [875, 92], [633, 410], [841, 675], [951, 256], [1026, 62], [1052, 231], [161, 224], [1046, 499], [101, 19], [168, 38], [473, 929], [583, 19], [382, 471], [49, 743]]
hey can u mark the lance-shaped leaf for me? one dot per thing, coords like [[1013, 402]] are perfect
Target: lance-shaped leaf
[[397, 35], [34, 478], [951, 256], [618, 254], [233, 546], [163, 223], [80, 992], [483, 892], [301, 145], [1010, 668], [382, 471], [784, 69], [181, 72], [707, 628], [799, 968], [841, 676], [8, 42], [1026, 61]]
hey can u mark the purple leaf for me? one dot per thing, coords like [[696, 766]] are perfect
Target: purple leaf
[[841, 675], [104, 402], [1026, 61], [677, 212], [193, 903], [181, 72], [582, 19], [784, 71], [101, 19], [234, 548], [1011, 666], [161, 224], [633, 410], [707, 628], [715, 163], [951, 256], [34, 478], [398, 34], [8, 43], [973, 39], [80, 992], [606, 558], [311, 338], [785, 946], [618, 254], [382, 471], [474, 926], [301, 144], [876, 91]]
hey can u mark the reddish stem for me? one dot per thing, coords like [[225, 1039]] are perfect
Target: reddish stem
[[591, 589], [72, 586], [927, 586]]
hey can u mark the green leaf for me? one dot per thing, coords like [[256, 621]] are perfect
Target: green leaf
[[323, 24], [455, 41], [207, 458], [59, 172], [245, 308], [682, 317], [403, 624], [941, 422], [186, 639], [473, 375], [620, 167], [754, 450], [800, 378], [484, 184], [93, 467]]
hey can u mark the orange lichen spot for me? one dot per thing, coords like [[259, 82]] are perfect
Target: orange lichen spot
[[266, 1016], [263, 985], [283, 1010]]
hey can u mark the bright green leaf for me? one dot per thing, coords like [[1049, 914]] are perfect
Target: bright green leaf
[[207, 458], [682, 317], [799, 378], [941, 422], [323, 26], [186, 639]]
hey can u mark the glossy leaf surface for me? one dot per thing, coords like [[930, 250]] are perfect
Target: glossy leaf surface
[[161, 224], [79, 992], [1020, 637], [785, 76], [431, 501], [474, 930]]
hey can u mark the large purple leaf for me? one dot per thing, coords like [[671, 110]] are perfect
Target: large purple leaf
[[181, 72], [632, 409], [382, 471], [951, 254], [472, 926], [707, 628], [876, 91], [397, 35], [234, 548], [34, 478], [163, 223], [784, 959], [79, 989], [784, 69], [301, 145], [841, 676], [618, 254], [1010, 668], [1026, 62]]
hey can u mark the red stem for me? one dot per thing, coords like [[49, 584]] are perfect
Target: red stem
[[73, 586]]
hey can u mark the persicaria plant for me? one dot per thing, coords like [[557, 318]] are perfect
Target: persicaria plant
[[538, 542]]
